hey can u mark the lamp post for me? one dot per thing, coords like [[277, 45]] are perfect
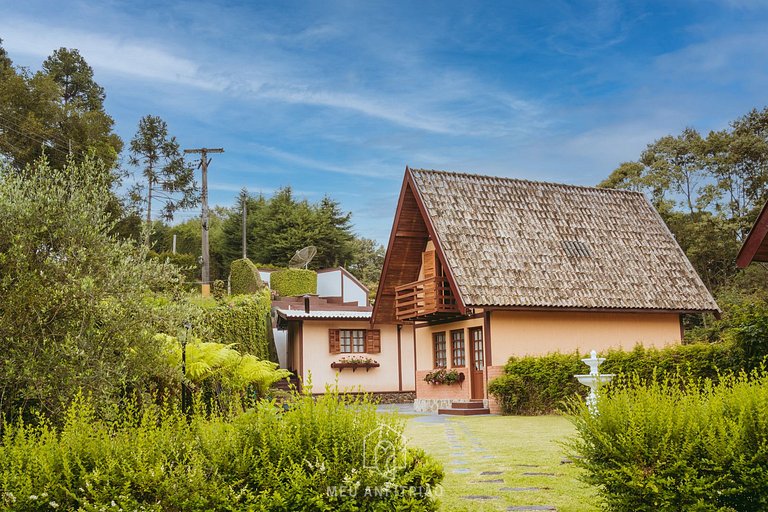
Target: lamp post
[[184, 387]]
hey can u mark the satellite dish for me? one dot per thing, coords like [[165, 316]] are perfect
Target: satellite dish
[[302, 257]]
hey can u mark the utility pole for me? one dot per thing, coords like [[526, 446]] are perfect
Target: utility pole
[[245, 212], [174, 244], [204, 161]]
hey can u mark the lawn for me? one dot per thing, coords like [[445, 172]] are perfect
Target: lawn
[[506, 448]]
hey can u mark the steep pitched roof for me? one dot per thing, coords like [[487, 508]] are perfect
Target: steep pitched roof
[[755, 246], [517, 243]]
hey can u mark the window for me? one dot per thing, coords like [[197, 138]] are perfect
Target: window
[[441, 358], [478, 361], [457, 348], [352, 340]]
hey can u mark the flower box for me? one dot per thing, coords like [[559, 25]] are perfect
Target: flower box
[[355, 365], [443, 376]]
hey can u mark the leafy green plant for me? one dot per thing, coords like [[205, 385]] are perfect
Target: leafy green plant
[[677, 445], [308, 454], [290, 282], [242, 320], [219, 290], [542, 384], [443, 376], [244, 277]]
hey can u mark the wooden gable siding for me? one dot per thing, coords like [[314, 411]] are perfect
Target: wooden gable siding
[[402, 263]]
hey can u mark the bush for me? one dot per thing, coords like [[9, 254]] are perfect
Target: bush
[[268, 458], [244, 277], [290, 282], [676, 446], [541, 385], [243, 320]]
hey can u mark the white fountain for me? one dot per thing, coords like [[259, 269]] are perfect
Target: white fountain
[[594, 380]]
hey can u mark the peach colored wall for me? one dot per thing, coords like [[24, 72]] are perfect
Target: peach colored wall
[[425, 359], [318, 359], [520, 333]]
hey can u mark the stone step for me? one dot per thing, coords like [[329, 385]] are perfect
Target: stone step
[[464, 412]]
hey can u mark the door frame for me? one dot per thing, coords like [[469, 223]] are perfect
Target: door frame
[[474, 374]]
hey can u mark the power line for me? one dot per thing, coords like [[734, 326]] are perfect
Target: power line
[[17, 120], [37, 140]]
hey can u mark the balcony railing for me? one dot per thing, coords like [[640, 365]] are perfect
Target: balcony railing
[[424, 299]]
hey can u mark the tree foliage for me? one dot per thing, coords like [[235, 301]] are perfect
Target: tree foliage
[[709, 189], [58, 111], [244, 277], [169, 180], [74, 312]]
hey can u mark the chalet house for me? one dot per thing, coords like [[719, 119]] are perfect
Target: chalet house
[[327, 338], [481, 268]]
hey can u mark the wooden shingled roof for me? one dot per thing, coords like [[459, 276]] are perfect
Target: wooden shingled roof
[[523, 244]]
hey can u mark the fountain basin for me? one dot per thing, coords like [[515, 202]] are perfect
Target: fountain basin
[[591, 380]]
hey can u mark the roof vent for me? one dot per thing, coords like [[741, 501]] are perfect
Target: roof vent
[[576, 248]]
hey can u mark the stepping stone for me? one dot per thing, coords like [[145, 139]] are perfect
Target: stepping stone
[[460, 471], [566, 461], [491, 473], [523, 489], [492, 481], [527, 465], [480, 497], [458, 462], [488, 457], [538, 474], [533, 507]]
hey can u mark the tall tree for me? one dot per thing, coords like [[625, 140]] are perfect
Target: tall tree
[[5, 60], [57, 112], [169, 180], [70, 70]]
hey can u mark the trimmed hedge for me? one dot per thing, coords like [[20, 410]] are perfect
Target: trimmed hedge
[[541, 385], [243, 320], [290, 282], [673, 446], [244, 277]]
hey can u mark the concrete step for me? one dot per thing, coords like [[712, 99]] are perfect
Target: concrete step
[[464, 412]]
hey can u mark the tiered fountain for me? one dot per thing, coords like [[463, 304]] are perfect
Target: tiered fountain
[[594, 380]]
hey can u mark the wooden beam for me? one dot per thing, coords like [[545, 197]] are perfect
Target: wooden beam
[[411, 234], [754, 240]]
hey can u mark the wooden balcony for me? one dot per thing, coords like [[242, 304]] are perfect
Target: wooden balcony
[[425, 300]]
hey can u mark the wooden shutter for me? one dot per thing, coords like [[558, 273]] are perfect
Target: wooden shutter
[[428, 264], [373, 341], [334, 341]]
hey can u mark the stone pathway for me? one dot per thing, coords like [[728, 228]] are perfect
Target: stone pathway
[[458, 437]]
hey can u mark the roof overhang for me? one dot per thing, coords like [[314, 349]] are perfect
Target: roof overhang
[[755, 247]]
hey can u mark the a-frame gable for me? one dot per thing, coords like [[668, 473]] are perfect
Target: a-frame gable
[[411, 229]]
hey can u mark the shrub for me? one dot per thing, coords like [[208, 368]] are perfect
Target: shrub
[[242, 320], [293, 281], [244, 277], [301, 457], [675, 446], [541, 385], [219, 290]]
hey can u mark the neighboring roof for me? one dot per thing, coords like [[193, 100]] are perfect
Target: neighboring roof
[[755, 247], [347, 273], [517, 243], [300, 314]]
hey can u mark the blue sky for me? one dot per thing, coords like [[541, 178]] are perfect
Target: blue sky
[[337, 97]]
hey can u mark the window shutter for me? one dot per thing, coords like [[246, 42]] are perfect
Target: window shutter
[[429, 264], [373, 341], [334, 341]]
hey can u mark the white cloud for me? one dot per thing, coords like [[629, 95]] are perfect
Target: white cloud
[[107, 53]]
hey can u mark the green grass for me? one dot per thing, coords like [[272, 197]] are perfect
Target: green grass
[[514, 442]]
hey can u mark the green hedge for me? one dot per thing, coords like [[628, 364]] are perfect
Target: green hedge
[[540, 385], [308, 457], [244, 277], [290, 282], [243, 320], [667, 446]]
